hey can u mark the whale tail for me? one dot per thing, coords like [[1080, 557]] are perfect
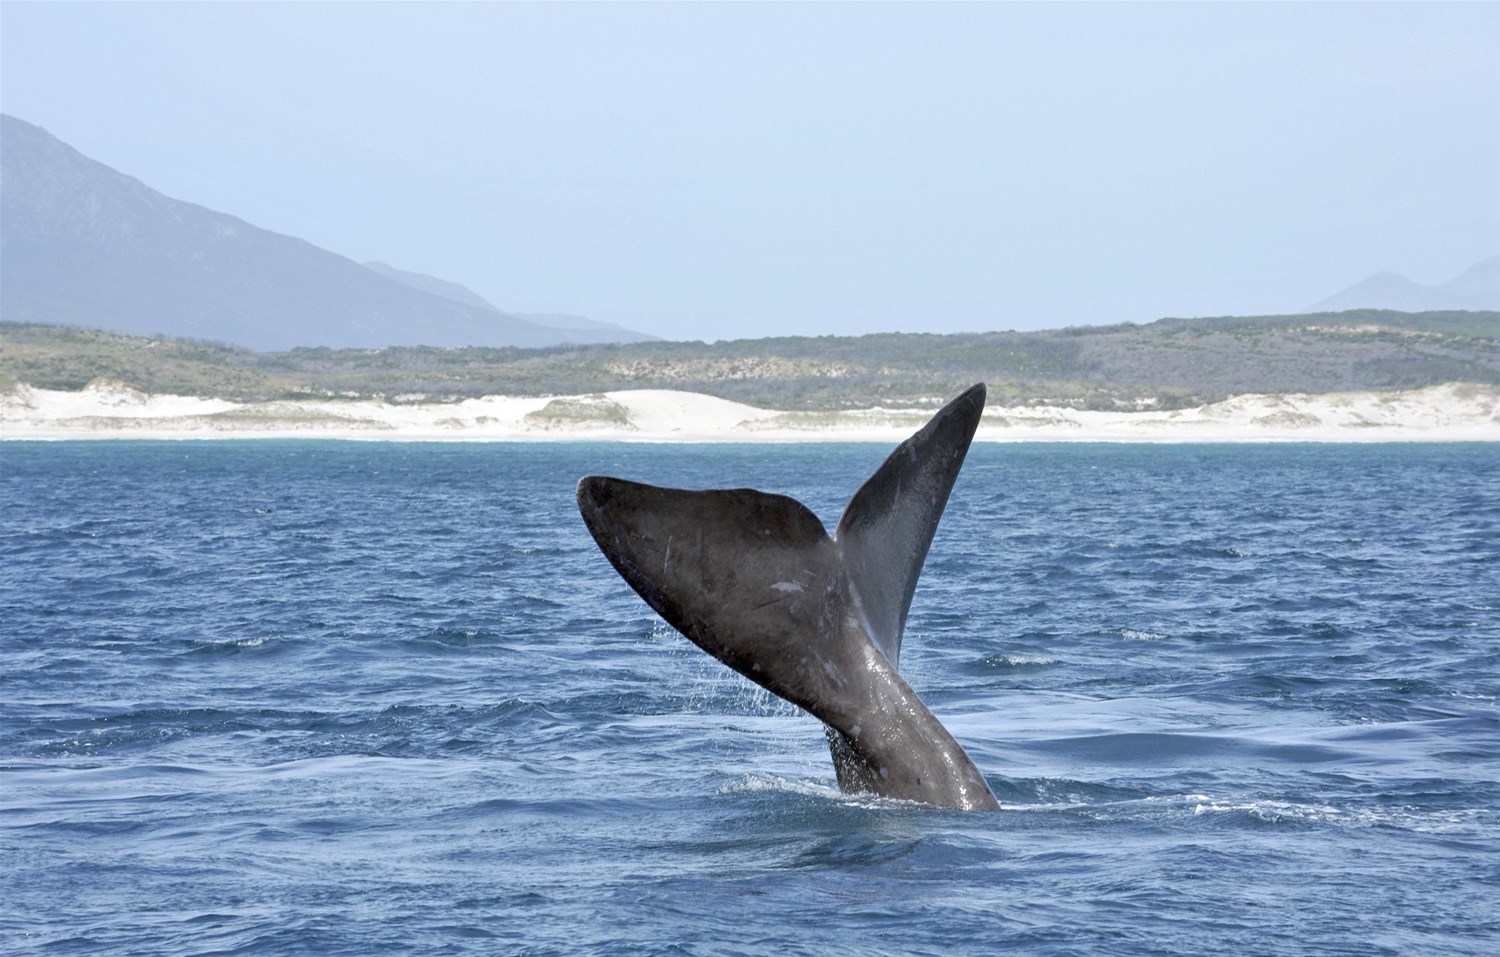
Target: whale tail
[[754, 579]]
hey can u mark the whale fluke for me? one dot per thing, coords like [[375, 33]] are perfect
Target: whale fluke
[[754, 579], [887, 527]]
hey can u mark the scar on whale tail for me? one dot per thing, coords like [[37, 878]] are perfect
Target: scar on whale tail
[[754, 579]]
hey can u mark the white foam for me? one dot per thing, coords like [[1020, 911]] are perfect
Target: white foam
[[762, 782], [1022, 661]]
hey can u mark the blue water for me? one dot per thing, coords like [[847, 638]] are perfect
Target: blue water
[[370, 698]]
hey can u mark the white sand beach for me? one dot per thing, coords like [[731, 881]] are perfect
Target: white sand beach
[[110, 410]]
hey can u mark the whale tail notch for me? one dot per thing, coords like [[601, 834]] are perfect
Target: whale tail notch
[[755, 580]]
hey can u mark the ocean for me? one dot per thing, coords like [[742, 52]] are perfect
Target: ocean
[[303, 697]]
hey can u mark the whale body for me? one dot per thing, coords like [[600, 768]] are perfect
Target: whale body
[[755, 580]]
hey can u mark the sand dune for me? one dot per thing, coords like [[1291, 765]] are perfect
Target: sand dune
[[111, 410]]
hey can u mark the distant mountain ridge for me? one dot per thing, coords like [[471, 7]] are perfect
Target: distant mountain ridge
[[574, 330], [1476, 288], [84, 245], [434, 285]]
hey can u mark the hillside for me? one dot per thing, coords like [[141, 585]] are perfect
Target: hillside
[[88, 246], [1172, 363]]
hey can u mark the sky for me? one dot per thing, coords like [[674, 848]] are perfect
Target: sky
[[727, 170]]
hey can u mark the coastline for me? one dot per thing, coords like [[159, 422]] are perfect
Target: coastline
[[107, 410]]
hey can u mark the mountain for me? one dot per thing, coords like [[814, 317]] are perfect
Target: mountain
[[434, 285], [1480, 283], [1477, 288], [84, 245], [573, 330], [581, 330]]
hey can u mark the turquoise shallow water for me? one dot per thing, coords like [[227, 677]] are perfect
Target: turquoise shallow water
[[359, 698]]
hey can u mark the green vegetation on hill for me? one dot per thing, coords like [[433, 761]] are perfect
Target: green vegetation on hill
[[1172, 362]]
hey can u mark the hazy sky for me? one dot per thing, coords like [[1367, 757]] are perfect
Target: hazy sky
[[714, 170]]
